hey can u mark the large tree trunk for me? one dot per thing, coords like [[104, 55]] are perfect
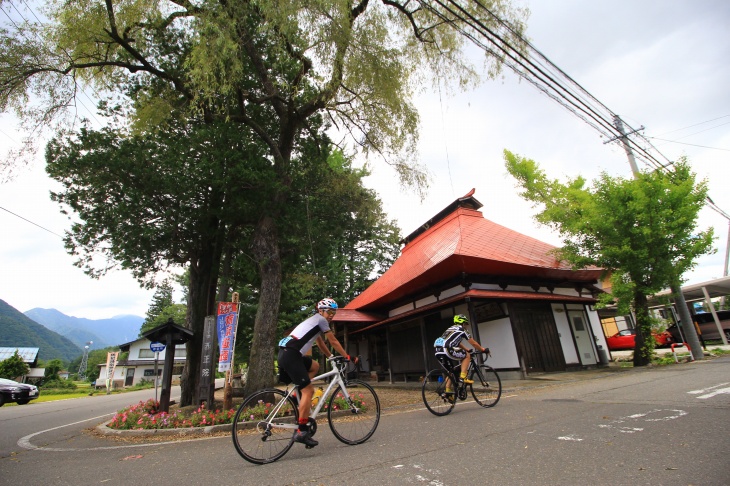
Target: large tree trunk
[[201, 303], [644, 345], [266, 252]]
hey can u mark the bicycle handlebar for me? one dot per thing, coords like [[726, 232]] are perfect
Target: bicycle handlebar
[[486, 351]]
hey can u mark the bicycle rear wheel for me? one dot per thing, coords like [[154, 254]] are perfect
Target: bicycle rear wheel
[[354, 423], [434, 393], [487, 387], [264, 425]]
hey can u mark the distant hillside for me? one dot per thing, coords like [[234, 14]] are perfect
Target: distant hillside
[[103, 332], [16, 329]]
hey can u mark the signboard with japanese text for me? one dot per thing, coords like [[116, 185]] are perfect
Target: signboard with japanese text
[[226, 324], [111, 363], [207, 372]]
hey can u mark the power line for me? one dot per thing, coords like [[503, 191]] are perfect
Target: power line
[[536, 68], [690, 144], [533, 66], [31, 222], [698, 124]]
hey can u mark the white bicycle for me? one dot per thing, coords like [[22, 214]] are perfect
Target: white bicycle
[[265, 423]]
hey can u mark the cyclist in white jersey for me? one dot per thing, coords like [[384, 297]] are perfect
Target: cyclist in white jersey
[[296, 366], [450, 347]]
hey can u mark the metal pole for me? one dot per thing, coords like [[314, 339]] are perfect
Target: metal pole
[[157, 357]]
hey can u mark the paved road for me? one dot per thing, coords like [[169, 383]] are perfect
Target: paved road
[[17, 422], [666, 425]]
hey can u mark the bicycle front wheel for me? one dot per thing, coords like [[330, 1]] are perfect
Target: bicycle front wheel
[[437, 401], [264, 425], [487, 387], [354, 423]]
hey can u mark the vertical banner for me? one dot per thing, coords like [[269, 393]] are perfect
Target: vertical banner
[[227, 323], [111, 364]]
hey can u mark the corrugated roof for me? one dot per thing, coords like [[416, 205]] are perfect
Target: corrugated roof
[[28, 354], [465, 242]]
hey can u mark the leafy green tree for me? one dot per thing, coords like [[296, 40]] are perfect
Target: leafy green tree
[[162, 308], [338, 241], [161, 299], [644, 230], [13, 367], [274, 69], [176, 312], [52, 368], [132, 201]]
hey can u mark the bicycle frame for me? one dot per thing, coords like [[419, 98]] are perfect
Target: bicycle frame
[[473, 367], [336, 380]]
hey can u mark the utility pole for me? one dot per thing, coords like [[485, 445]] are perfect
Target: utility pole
[[629, 152], [690, 333]]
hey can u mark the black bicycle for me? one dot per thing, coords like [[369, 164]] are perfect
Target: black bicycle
[[441, 388]]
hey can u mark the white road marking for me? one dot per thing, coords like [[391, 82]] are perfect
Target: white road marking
[[650, 416], [697, 392], [24, 442], [624, 426]]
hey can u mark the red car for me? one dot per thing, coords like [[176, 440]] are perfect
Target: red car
[[625, 339]]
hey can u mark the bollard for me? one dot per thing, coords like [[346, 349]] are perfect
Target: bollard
[[681, 345]]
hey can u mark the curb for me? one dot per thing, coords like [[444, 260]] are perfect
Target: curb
[[167, 433]]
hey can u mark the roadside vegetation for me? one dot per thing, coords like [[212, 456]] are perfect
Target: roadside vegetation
[[66, 389], [682, 356]]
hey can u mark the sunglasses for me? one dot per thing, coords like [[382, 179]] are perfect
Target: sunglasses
[[331, 312]]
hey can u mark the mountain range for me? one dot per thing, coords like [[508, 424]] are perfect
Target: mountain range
[[102, 332], [18, 330]]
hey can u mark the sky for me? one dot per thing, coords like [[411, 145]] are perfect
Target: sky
[[661, 64]]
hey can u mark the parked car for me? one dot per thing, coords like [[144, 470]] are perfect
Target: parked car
[[20, 393], [626, 339], [707, 326]]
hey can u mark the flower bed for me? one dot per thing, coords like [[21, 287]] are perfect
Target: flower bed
[[146, 416]]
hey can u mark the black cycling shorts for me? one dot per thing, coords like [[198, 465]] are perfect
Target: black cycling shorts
[[293, 367], [448, 363]]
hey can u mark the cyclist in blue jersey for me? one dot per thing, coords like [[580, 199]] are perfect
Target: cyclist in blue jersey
[[296, 366], [450, 349]]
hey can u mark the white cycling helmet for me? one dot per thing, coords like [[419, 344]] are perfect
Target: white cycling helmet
[[327, 304]]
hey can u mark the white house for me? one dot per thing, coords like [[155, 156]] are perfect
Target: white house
[[140, 364]]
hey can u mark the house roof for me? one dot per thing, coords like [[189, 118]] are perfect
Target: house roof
[[29, 355], [352, 315], [169, 333], [464, 242]]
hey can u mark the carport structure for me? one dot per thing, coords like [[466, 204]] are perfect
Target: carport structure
[[703, 291]]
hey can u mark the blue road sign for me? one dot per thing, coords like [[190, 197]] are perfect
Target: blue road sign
[[157, 347]]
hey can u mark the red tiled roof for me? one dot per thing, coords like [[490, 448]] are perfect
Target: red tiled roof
[[464, 241], [352, 315]]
